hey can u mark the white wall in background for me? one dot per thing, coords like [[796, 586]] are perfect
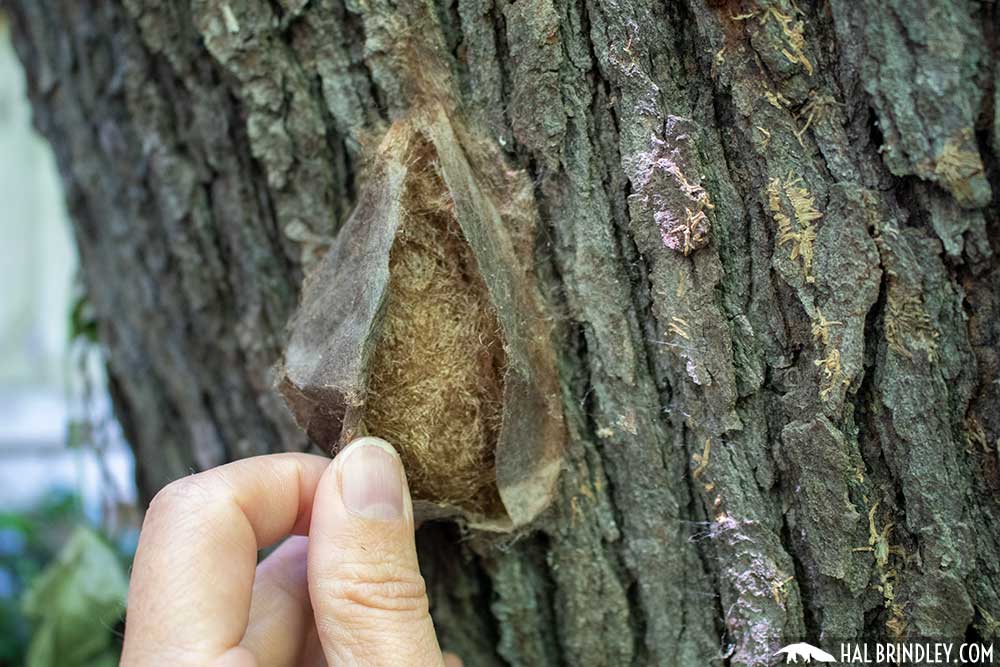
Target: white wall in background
[[36, 250], [39, 391]]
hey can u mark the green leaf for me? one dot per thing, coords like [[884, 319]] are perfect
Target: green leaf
[[76, 604]]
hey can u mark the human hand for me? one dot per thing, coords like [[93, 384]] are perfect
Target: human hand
[[349, 594]]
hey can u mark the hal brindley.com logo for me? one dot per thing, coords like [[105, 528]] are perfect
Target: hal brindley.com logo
[[807, 652], [875, 653]]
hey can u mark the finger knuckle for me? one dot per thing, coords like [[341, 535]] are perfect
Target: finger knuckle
[[377, 586], [181, 494]]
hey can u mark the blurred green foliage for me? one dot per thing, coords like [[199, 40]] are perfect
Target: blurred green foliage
[[82, 321], [62, 589]]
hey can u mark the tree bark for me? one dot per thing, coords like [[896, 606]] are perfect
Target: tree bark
[[768, 238]]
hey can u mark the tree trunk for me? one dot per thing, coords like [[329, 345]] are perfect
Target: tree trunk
[[768, 237]]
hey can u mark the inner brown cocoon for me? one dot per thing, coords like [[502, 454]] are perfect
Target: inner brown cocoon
[[437, 376]]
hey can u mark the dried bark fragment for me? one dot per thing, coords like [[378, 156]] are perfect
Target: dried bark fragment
[[675, 200]]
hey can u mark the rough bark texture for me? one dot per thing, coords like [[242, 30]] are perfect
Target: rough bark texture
[[768, 236]]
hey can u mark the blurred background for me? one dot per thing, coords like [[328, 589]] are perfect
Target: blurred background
[[68, 522]]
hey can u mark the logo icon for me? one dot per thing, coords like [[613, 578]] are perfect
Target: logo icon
[[807, 651]]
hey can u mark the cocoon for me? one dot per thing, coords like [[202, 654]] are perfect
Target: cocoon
[[423, 324]]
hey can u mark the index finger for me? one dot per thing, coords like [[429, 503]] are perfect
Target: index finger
[[189, 599]]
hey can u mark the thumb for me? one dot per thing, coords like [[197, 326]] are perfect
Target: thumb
[[366, 590]]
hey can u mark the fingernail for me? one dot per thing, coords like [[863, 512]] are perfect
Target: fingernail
[[372, 479]]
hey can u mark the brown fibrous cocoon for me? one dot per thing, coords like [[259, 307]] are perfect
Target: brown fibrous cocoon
[[424, 325], [436, 386]]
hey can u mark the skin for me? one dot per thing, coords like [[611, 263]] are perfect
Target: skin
[[348, 594]]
